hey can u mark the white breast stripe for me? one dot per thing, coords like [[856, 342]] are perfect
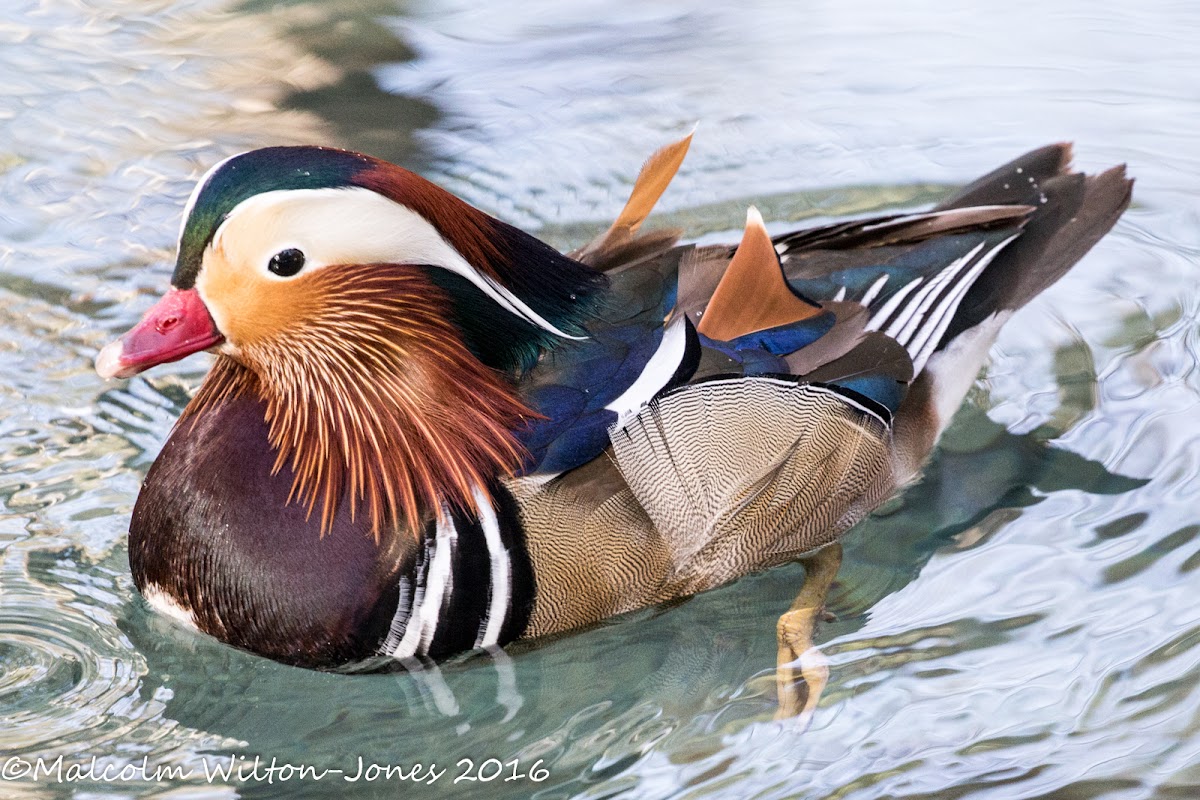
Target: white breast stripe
[[409, 595], [168, 606], [489, 632], [841, 295], [429, 599], [657, 372]]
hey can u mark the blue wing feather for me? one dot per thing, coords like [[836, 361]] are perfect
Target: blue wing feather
[[573, 385]]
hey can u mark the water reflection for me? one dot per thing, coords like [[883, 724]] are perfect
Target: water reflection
[[351, 34], [1021, 623]]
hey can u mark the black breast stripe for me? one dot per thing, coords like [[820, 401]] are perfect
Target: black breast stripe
[[469, 569], [464, 610], [521, 578]]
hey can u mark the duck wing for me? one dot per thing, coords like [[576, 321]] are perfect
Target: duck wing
[[794, 430]]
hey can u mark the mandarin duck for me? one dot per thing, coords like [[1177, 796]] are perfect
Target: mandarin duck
[[426, 431]]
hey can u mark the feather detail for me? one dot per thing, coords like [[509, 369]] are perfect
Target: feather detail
[[560, 289], [753, 295], [620, 244], [729, 467], [700, 270], [652, 181], [374, 400]]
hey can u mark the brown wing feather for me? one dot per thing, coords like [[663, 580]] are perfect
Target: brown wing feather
[[874, 354], [620, 244], [700, 271], [847, 332], [753, 295]]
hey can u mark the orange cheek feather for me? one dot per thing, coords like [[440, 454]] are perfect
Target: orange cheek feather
[[250, 308], [371, 395]]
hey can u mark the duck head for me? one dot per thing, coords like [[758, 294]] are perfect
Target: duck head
[[379, 319]]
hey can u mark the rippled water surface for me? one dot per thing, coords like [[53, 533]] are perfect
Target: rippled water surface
[[1023, 623]]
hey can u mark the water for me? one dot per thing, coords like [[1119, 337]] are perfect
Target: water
[[1021, 624]]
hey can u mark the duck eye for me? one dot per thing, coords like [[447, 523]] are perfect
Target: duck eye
[[286, 263]]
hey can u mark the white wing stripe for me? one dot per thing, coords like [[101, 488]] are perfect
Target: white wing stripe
[[658, 371], [914, 312], [927, 341], [918, 322], [882, 314], [874, 290], [946, 307]]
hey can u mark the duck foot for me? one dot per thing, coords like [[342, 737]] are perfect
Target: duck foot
[[801, 670]]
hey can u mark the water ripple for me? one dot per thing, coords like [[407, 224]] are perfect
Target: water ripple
[[1019, 624], [70, 683]]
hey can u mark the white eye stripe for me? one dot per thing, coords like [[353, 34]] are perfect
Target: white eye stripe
[[350, 225], [500, 570]]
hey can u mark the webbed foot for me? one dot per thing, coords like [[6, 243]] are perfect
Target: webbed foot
[[801, 669]]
